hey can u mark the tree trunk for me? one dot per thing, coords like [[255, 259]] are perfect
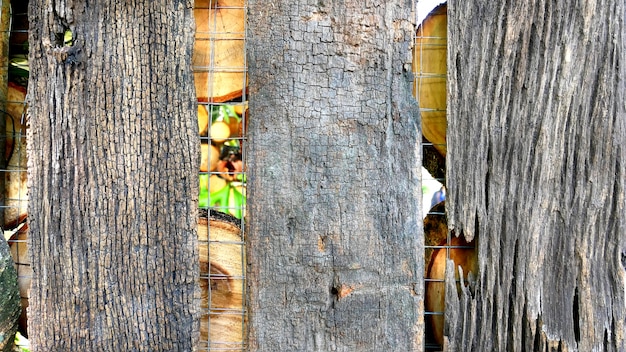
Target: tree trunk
[[334, 249], [113, 185], [9, 298], [536, 135]]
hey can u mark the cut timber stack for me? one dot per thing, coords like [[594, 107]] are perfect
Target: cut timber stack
[[218, 56], [15, 158], [221, 278], [14, 164], [429, 65], [461, 252], [221, 281], [19, 251]]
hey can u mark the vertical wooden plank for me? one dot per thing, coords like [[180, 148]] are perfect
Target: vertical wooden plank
[[536, 139]]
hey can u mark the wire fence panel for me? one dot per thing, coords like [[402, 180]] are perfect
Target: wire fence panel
[[220, 72], [13, 125], [430, 69]]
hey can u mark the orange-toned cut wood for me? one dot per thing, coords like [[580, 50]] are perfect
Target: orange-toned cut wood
[[222, 265], [210, 156], [16, 187], [429, 65], [467, 259], [218, 56]]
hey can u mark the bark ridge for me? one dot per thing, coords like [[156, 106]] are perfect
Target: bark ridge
[[536, 135], [335, 224]]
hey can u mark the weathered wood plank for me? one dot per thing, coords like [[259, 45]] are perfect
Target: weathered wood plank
[[536, 136], [335, 256], [113, 159]]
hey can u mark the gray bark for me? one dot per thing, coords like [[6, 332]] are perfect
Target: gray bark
[[9, 298], [334, 229], [535, 170], [113, 160]]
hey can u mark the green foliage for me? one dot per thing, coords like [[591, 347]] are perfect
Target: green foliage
[[21, 343], [224, 113], [228, 199]]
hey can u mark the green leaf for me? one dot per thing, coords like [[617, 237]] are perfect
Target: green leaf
[[67, 38], [220, 198], [238, 202]]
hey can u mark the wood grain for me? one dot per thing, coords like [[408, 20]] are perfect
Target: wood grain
[[536, 135], [430, 67], [222, 272]]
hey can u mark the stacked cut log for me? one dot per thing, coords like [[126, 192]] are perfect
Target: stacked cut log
[[222, 265], [219, 73], [458, 250], [430, 67], [219, 57], [15, 158], [13, 164], [16, 192], [19, 251]]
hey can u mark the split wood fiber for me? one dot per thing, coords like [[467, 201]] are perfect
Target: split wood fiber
[[536, 136], [454, 249]]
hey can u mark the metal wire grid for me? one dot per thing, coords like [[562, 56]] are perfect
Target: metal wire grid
[[215, 70], [13, 170], [13, 173], [17, 202], [423, 77]]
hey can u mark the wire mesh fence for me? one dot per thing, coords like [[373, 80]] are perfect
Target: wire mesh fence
[[13, 124], [430, 81], [430, 68], [220, 73]]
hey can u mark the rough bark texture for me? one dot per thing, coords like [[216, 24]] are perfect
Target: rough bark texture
[[334, 243], [9, 298], [113, 161], [536, 135]]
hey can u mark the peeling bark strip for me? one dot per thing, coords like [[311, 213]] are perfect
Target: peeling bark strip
[[335, 255], [536, 136], [113, 160]]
